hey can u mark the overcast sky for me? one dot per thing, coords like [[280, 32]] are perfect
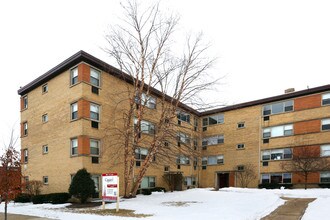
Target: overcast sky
[[263, 47]]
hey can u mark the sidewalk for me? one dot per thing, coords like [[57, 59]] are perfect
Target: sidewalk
[[293, 209], [20, 217]]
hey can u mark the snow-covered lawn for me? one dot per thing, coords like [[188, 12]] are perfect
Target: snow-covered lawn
[[227, 203]]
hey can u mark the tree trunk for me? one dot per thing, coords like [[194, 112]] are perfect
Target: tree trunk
[[5, 208], [306, 181]]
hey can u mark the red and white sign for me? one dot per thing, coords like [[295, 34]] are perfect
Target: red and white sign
[[110, 186]]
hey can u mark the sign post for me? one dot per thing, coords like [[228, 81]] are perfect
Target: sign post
[[110, 189]]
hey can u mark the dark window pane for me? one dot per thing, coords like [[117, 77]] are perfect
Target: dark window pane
[[94, 124], [213, 120], [326, 127], [95, 90]]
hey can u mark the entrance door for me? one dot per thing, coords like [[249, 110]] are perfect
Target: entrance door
[[223, 180]]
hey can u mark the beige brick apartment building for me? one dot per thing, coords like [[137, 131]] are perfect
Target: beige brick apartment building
[[66, 114]]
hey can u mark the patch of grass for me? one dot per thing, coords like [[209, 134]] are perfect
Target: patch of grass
[[179, 203], [121, 212]]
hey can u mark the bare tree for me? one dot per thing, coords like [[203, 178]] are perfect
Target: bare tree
[[246, 175], [305, 161], [33, 187], [143, 49], [10, 173]]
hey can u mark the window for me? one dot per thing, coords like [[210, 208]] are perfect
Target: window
[[240, 168], [325, 150], [45, 88], [183, 116], [277, 108], [45, 149], [326, 124], [25, 155], [326, 99], [25, 102], [96, 180], [240, 146], [325, 177], [148, 182], [95, 77], [25, 129], [44, 118], [183, 138], [94, 147], [189, 181], [166, 168], [204, 163], [74, 76], [74, 111], [277, 154], [74, 146], [140, 155], [214, 140], [277, 131], [146, 100], [195, 144], [213, 120], [241, 125], [195, 124], [145, 126], [183, 160], [45, 180], [276, 178], [94, 112], [213, 160]]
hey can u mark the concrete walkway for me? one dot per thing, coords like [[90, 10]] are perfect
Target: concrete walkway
[[293, 209], [21, 217]]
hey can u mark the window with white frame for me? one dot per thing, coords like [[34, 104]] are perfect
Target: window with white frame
[[183, 116], [45, 88], [325, 177], [277, 108], [326, 124], [276, 154], [94, 147], [95, 77], [183, 138], [74, 146], [276, 178], [183, 160], [74, 111], [145, 126], [25, 102], [241, 125], [278, 131], [204, 162], [213, 120], [326, 99], [214, 140], [190, 181], [45, 149], [74, 76], [148, 182], [140, 155], [94, 112], [25, 155], [240, 146], [148, 101], [325, 150], [44, 118], [45, 180], [213, 160]]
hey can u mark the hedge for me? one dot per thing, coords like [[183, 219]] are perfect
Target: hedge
[[54, 198], [274, 186], [23, 198]]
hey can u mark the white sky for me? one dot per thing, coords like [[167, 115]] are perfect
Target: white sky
[[263, 47]]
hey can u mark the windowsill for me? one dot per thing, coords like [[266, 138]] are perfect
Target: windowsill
[[22, 110], [240, 148]]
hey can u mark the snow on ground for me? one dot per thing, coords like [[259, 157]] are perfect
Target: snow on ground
[[227, 203]]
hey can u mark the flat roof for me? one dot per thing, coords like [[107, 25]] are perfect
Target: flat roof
[[82, 56]]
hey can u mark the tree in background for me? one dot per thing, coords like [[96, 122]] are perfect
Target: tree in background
[[10, 173], [32, 187], [82, 185], [305, 161], [246, 175], [143, 47]]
